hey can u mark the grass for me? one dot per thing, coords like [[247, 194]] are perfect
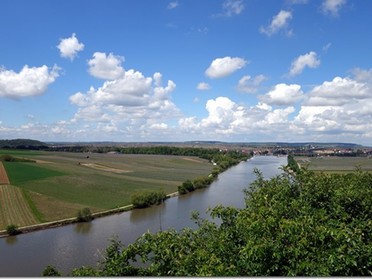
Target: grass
[[336, 164], [59, 183]]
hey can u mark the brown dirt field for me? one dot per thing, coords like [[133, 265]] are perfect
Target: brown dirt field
[[3, 175]]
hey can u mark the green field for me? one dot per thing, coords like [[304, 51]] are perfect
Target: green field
[[60, 183], [336, 164]]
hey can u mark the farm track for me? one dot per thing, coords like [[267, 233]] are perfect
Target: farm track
[[3, 175], [14, 208]]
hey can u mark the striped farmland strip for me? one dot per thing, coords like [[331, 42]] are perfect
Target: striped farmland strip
[[14, 208], [3, 175]]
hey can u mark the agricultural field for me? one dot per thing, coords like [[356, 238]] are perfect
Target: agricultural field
[[335, 164], [14, 208], [58, 184]]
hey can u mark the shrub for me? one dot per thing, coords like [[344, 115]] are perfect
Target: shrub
[[12, 229], [84, 215], [50, 271], [146, 199]]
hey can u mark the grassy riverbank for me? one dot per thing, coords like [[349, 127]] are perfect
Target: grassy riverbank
[[58, 184], [335, 164]]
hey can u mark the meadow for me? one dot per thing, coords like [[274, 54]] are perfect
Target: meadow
[[58, 184], [336, 164]]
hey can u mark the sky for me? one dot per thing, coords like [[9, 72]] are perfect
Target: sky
[[184, 70]]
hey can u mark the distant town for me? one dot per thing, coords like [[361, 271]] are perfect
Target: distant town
[[310, 149]]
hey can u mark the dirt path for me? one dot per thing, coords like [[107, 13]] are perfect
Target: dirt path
[[3, 175]]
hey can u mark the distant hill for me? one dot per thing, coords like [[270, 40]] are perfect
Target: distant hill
[[23, 144]]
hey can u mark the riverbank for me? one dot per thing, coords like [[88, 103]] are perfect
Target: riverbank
[[68, 221]]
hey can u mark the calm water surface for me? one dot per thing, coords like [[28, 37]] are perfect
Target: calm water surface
[[75, 245]]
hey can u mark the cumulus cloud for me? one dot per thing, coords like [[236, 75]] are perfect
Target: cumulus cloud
[[339, 107], [283, 95], [172, 5], [127, 105], [338, 92], [248, 84], [28, 82], [227, 118], [69, 47], [222, 67], [307, 60], [203, 86], [106, 66], [332, 6], [279, 22], [233, 7]]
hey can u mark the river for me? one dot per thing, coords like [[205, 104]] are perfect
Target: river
[[75, 245]]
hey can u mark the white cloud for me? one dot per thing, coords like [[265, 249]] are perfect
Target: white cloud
[[227, 118], [283, 95], [69, 47], [332, 6], [307, 60], [203, 86], [338, 92], [106, 66], [297, 1], [127, 105], [233, 7], [222, 67], [248, 84], [279, 22], [172, 5], [28, 82]]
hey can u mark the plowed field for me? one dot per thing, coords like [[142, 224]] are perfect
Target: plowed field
[[3, 176], [14, 208]]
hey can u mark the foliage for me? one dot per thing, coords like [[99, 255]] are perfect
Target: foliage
[[292, 164], [50, 271], [12, 229], [84, 215], [10, 158], [146, 199], [308, 225], [23, 144]]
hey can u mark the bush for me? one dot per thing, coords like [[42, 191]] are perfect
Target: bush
[[12, 229], [84, 215], [50, 271], [146, 199]]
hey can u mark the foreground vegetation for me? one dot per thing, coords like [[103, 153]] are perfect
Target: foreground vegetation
[[308, 225]]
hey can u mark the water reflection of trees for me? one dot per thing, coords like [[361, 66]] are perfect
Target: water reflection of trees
[[83, 228], [11, 240]]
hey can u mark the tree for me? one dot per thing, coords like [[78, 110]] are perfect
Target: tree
[[12, 229], [51, 271], [84, 215]]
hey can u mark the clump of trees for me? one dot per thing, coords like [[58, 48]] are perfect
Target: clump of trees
[[292, 163], [12, 229], [307, 225], [146, 199], [84, 215]]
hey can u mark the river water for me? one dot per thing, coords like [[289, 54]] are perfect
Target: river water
[[75, 245]]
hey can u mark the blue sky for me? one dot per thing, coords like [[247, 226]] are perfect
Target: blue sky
[[179, 70]]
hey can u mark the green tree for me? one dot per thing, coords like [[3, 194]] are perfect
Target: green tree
[[84, 215], [12, 229], [50, 271]]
